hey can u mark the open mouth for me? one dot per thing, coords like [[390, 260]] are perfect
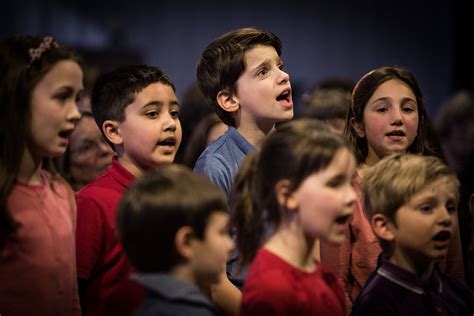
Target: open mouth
[[442, 236], [65, 133], [342, 219], [284, 96], [168, 142], [396, 133]]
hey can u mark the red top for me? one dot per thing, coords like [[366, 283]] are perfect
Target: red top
[[37, 264], [356, 258], [100, 258], [274, 287]]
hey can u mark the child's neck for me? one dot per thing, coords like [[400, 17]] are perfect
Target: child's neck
[[422, 268], [30, 168], [255, 134], [290, 244]]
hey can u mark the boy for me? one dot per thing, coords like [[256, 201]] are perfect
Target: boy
[[241, 77], [173, 224], [411, 204], [137, 110]]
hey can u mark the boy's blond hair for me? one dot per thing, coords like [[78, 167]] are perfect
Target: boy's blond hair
[[395, 179]]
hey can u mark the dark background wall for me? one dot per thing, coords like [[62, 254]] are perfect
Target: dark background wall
[[320, 38]]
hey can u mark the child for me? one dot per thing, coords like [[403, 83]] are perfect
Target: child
[[411, 204], [295, 190], [39, 86], [173, 225], [241, 76], [387, 116], [137, 109]]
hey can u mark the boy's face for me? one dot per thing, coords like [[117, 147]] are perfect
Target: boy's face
[[390, 120], [425, 224], [264, 89], [151, 132], [210, 254]]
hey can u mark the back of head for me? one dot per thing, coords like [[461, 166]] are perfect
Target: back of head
[[325, 104], [294, 151], [24, 61], [156, 206], [362, 93], [115, 90], [395, 179], [223, 61]]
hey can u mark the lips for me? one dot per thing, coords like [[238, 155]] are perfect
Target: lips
[[65, 133], [398, 133], [171, 142], [285, 98]]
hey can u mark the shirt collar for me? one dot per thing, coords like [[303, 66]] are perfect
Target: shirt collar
[[171, 288]]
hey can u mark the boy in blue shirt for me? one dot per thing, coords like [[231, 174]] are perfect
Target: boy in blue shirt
[[173, 226], [241, 76], [411, 203]]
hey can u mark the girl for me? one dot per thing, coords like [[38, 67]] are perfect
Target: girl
[[297, 189], [387, 115], [39, 86]]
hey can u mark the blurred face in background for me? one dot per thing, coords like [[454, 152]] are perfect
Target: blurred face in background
[[90, 154]]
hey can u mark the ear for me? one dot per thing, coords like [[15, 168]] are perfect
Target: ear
[[112, 132], [183, 241], [358, 127], [382, 227], [227, 101], [283, 195]]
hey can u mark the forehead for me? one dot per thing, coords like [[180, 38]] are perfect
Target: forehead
[[393, 88], [86, 128], [63, 73], [442, 188], [155, 92], [260, 53]]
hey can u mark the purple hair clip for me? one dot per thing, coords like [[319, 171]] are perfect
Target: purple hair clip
[[47, 43]]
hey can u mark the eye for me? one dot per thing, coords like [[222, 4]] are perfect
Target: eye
[[281, 66], [152, 114], [451, 208], [408, 109], [262, 72], [174, 113], [426, 208], [336, 182], [381, 110]]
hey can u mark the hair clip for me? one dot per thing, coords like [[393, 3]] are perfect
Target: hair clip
[[47, 43]]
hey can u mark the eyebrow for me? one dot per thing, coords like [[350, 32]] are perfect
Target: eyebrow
[[265, 62], [404, 100], [160, 103]]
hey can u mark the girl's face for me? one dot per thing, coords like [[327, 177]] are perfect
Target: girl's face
[[53, 109], [325, 200], [390, 121]]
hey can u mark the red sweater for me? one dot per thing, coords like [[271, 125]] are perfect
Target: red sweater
[[274, 287], [100, 258]]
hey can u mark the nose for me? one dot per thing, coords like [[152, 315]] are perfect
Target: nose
[[284, 77], [73, 113], [445, 217], [396, 118], [169, 123], [351, 197]]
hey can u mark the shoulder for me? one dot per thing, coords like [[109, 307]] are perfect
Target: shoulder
[[378, 298], [157, 306]]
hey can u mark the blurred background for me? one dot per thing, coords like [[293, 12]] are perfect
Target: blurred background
[[330, 38]]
